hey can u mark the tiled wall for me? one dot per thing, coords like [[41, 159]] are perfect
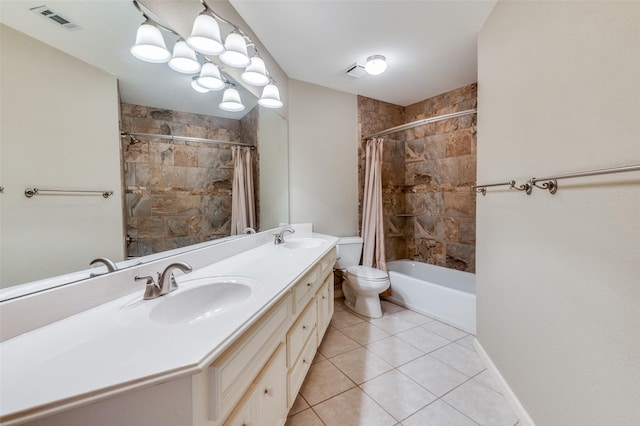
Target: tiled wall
[[178, 193], [429, 208]]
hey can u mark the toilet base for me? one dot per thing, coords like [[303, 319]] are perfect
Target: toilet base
[[368, 306]]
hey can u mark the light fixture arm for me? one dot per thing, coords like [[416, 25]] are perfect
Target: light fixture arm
[[237, 29], [153, 21]]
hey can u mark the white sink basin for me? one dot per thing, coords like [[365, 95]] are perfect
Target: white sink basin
[[303, 243], [194, 300]]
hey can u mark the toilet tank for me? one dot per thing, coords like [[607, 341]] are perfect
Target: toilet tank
[[349, 251]]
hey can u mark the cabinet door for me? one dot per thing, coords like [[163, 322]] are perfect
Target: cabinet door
[[246, 412], [325, 307], [271, 391]]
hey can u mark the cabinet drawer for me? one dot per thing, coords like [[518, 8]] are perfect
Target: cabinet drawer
[[271, 391], [245, 413], [300, 332], [233, 372], [327, 262], [306, 288], [299, 371]]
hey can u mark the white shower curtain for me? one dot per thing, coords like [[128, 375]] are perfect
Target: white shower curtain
[[372, 220], [242, 203]]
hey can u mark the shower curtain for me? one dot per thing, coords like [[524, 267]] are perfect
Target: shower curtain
[[242, 202], [372, 220]]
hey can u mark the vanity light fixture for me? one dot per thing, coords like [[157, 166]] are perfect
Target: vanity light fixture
[[184, 59], [205, 35], [235, 53], [376, 64], [150, 45], [205, 39], [256, 73], [270, 96], [231, 100], [210, 77]]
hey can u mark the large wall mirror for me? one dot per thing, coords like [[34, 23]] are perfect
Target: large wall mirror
[[68, 92]]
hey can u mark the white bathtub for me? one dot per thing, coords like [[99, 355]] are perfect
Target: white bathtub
[[444, 294]]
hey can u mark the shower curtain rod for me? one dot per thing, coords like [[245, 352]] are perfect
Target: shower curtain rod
[[185, 138], [422, 122]]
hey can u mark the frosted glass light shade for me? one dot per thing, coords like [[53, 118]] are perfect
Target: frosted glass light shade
[[205, 35], [150, 45], [184, 59], [196, 86], [270, 97], [256, 73], [210, 77], [231, 101], [235, 53], [375, 65]]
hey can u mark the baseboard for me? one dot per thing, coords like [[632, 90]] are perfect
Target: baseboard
[[512, 399]]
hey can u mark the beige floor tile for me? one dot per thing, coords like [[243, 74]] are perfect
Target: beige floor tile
[[437, 377], [305, 418], [298, 405], [438, 414], [445, 330], [397, 394], [462, 359], [395, 351], [467, 341], [423, 339], [343, 318], [487, 379], [323, 381], [353, 408], [390, 308], [364, 333], [361, 365], [392, 323], [482, 404], [318, 357], [413, 317], [335, 343]]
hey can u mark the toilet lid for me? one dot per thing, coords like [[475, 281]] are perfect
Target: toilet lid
[[367, 272]]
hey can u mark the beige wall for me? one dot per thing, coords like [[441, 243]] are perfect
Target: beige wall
[[558, 276], [59, 129], [323, 158]]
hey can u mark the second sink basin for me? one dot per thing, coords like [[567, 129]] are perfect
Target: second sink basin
[[303, 243]]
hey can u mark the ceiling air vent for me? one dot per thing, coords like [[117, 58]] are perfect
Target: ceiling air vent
[[54, 17], [356, 70]]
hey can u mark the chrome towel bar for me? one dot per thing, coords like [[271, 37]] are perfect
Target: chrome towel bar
[[30, 192]]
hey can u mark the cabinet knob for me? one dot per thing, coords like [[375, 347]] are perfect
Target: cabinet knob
[[268, 391], [304, 327], [308, 284], [304, 361]]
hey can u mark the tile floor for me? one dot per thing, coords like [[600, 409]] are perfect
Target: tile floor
[[402, 369]]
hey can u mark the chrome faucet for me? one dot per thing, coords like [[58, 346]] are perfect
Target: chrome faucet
[[279, 237], [166, 281], [108, 263]]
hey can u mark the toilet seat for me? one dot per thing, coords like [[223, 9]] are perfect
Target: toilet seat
[[367, 273]]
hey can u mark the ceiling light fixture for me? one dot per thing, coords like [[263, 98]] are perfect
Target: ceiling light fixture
[[376, 64], [205, 39]]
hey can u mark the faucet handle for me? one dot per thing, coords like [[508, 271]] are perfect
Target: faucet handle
[[152, 288]]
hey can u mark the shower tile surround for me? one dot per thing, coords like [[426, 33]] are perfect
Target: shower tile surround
[[381, 372], [429, 208], [178, 193]]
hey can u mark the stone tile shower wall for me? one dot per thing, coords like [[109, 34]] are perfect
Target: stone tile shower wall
[[429, 208], [177, 193]]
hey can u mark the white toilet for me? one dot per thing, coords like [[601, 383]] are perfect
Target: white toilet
[[362, 284]]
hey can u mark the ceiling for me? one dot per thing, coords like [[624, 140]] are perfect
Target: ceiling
[[430, 46]]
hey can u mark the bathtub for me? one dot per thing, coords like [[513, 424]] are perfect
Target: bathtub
[[444, 294]]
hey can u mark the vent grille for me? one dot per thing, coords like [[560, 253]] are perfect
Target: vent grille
[[356, 70], [56, 18]]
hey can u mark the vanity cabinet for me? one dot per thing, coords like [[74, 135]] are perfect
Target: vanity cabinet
[[257, 379]]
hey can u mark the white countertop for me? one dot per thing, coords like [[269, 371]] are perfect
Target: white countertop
[[95, 354]]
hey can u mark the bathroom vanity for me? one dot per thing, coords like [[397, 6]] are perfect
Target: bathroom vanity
[[232, 345]]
